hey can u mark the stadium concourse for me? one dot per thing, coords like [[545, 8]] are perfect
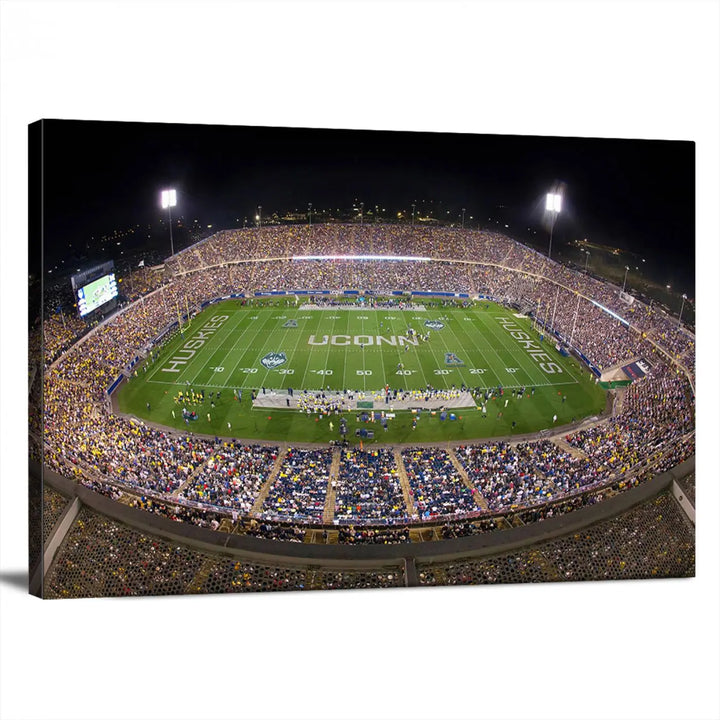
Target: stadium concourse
[[305, 497]]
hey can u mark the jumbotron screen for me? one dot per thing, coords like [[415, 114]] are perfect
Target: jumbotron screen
[[97, 293]]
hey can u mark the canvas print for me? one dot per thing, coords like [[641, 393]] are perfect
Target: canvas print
[[268, 359]]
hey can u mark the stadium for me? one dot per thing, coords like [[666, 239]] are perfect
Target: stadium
[[349, 405]]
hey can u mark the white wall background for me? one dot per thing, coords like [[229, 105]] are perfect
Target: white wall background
[[595, 650]]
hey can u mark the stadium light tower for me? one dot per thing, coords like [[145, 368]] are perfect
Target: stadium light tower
[[258, 217], [362, 208], [587, 257], [682, 305], [625, 278], [412, 224], [168, 199], [462, 225], [310, 214], [553, 204]]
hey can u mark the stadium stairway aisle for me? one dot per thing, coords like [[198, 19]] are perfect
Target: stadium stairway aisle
[[479, 499], [564, 445], [201, 576], [190, 478], [329, 510], [265, 489], [404, 483]]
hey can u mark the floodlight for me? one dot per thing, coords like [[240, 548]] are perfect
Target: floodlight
[[554, 202], [168, 198]]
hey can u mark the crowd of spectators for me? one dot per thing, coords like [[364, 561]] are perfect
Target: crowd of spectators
[[232, 476], [272, 530], [349, 535], [657, 412], [437, 488], [368, 487], [178, 513], [60, 331], [299, 490], [506, 477]]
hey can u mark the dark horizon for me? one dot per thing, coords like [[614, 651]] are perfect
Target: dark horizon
[[636, 195]]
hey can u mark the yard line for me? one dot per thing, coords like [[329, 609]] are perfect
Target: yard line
[[362, 350], [417, 357], [247, 349], [297, 342], [170, 382], [311, 350], [476, 348], [397, 347], [270, 338], [377, 332], [432, 349], [468, 350], [327, 356], [346, 384], [242, 355]]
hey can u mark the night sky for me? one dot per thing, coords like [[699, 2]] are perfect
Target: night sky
[[634, 194]]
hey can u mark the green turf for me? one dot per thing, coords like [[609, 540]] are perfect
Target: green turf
[[229, 358]]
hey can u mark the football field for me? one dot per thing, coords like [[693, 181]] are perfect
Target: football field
[[276, 345]]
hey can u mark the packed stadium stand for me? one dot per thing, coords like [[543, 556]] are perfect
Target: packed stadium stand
[[409, 497]]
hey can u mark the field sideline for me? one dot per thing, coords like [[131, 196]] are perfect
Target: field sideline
[[279, 345]]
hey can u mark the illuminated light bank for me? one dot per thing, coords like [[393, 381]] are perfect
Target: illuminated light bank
[[403, 258], [610, 312]]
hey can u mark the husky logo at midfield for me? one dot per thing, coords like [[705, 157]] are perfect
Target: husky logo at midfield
[[291, 323], [273, 360], [434, 324], [453, 359]]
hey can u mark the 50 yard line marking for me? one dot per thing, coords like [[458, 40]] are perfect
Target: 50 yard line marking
[[362, 350]]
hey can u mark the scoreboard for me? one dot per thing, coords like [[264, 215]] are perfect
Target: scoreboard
[[95, 294]]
